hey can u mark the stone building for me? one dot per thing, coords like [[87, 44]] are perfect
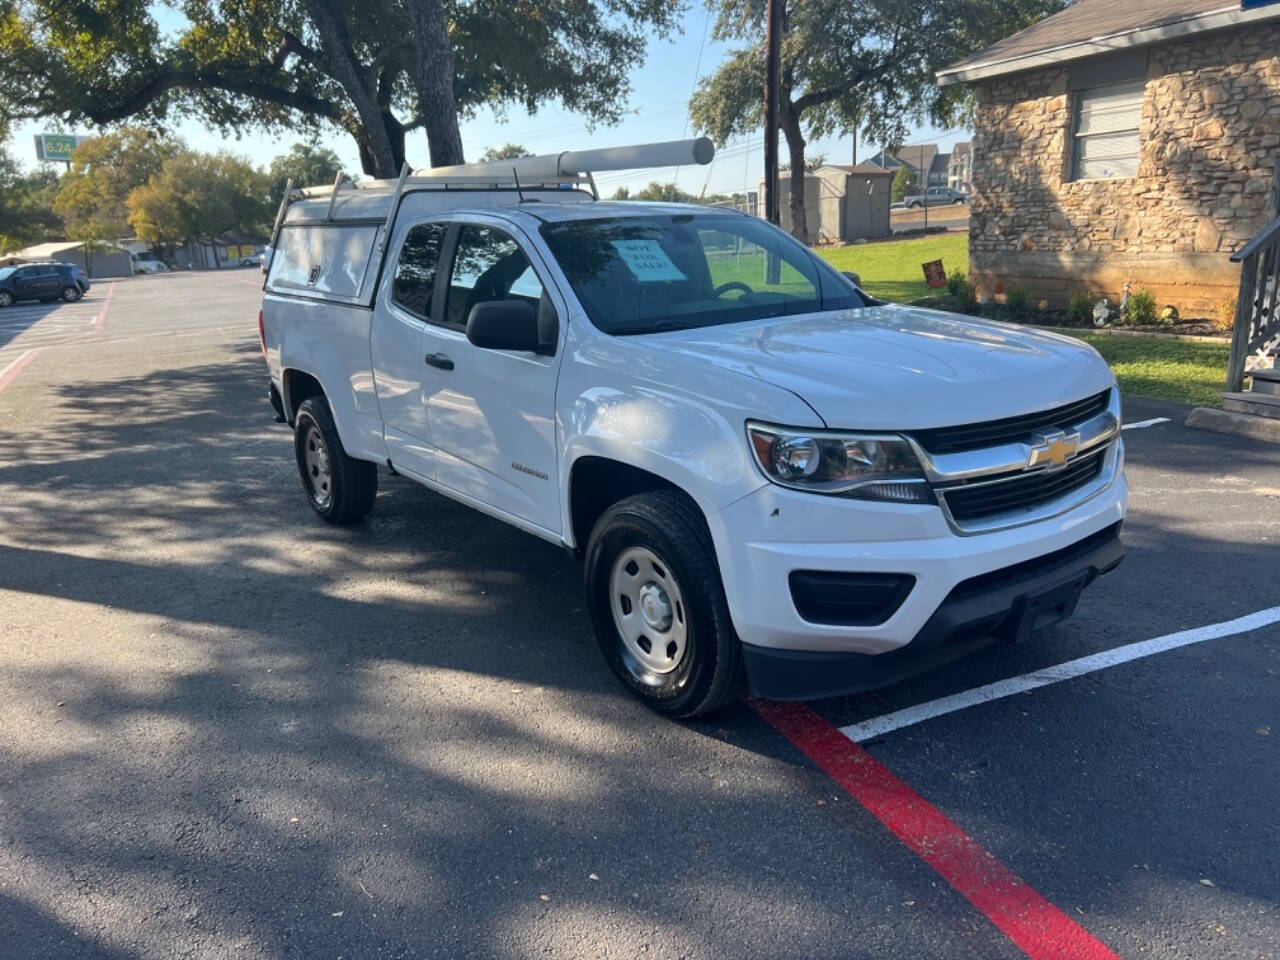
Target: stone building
[[1129, 141]]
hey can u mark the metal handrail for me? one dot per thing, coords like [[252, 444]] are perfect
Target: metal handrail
[[1269, 232], [1257, 322]]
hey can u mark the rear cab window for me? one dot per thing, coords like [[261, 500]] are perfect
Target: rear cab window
[[413, 286]]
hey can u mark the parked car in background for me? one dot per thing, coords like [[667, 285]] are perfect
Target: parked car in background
[[251, 261], [934, 197], [42, 281], [147, 263]]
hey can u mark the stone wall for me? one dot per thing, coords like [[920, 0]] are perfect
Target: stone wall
[[1210, 138]]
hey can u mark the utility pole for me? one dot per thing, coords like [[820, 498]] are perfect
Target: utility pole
[[772, 39], [924, 178]]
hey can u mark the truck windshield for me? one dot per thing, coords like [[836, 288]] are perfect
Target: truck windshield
[[644, 274]]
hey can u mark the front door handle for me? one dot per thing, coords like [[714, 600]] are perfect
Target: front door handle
[[439, 360]]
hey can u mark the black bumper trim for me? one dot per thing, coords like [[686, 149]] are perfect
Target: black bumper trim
[[1005, 604]]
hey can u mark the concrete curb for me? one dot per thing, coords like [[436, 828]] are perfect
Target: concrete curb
[[1266, 429]]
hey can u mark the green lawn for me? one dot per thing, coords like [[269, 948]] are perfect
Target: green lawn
[[891, 270], [1184, 371]]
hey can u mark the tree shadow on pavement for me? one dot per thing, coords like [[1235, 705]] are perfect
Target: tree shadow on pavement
[[233, 730]]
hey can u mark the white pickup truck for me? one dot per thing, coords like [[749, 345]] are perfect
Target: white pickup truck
[[774, 480]]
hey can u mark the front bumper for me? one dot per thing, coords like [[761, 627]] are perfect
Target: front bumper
[[766, 536], [1003, 604]]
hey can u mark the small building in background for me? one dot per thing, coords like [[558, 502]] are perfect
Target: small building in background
[[930, 165], [215, 253], [1120, 142], [98, 260], [842, 202]]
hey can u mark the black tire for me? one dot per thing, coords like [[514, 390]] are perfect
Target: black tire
[[957, 202], [6, 298], [710, 672], [71, 293], [352, 484]]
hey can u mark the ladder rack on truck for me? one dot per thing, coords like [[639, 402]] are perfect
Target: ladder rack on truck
[[571, 170]]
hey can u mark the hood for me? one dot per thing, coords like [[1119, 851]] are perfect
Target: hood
[[902, 368]]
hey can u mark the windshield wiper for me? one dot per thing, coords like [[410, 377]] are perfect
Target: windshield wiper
[[662, 326]]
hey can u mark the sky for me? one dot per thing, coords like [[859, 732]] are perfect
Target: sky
[[657, 110]]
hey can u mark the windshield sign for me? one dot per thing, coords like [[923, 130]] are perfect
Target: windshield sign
[[674, 271]]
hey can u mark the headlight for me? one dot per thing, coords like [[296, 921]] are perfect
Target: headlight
[[866, 466]]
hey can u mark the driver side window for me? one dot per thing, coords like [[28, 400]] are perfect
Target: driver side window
[[735, 263], [488, 265]]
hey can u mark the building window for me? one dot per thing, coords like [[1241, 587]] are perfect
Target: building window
[[1106, 141]]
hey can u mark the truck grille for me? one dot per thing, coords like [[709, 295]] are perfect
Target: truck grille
[[1021, 491], [993, 433]]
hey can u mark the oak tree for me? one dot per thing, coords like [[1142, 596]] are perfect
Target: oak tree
[[376, 70], [866, 66]]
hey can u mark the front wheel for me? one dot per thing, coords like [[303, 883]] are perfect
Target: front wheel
[[658, 605], [341, 489]]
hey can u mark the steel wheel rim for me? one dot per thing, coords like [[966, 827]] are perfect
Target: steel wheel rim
[[649, 613], [319, 468]]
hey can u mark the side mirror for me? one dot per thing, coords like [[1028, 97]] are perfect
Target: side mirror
[[852, 277], [504, 325]]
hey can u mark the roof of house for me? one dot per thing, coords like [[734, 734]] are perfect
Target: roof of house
[[960, 149], [861, 169], [47, 251], [1091, 27], [915, 156]]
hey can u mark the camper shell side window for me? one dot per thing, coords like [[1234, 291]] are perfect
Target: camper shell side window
[[323, 261]]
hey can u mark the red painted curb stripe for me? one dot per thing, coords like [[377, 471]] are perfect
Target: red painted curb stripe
[[12, 370], [1039, 928], [101, 318]]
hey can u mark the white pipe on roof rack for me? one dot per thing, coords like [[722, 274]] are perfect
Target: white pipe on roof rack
[[573, 163]]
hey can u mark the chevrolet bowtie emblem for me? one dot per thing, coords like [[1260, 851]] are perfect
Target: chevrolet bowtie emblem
[[1053, 449]]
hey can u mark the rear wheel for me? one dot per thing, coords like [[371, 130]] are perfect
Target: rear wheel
[[71, 293], [658, 605], [341, 489]]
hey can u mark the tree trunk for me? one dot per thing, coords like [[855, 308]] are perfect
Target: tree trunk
[[376, 155], [790, 124], [436, 102]]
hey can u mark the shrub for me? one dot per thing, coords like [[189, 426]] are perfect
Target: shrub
[[1224, 314], [1018, 302], [1141, 308], [1080, 309], [961, 290]]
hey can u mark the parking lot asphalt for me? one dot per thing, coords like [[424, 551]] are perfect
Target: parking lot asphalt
[[229, 730]]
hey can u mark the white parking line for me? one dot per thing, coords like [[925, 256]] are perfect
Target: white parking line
[[1144, 423], [858, 732]]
